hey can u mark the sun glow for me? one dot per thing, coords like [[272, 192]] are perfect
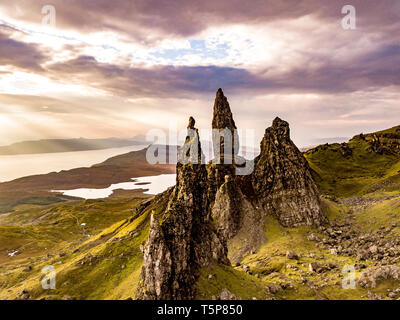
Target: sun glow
[[23, 83]]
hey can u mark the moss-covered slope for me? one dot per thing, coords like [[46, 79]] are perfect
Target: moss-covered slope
[[365, 164]]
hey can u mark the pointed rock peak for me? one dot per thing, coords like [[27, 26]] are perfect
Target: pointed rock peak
[[280, 128], [191, 151], [191, 124], [222, 121], [283, 179], [222, 117], [278, 122]]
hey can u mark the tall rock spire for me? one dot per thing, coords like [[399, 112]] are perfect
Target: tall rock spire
[[191, 151], [224, 131]]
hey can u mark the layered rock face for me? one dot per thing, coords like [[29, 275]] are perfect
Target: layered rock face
[[282, 180], [186, 239], [238, 220]]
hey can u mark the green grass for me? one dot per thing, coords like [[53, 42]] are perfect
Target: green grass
[[224, 277], [353, 175], [382, 214], [37, 232], [10, 200]]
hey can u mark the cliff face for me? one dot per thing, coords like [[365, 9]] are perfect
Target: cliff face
[[212, 211], [238, 220], [282, 180]]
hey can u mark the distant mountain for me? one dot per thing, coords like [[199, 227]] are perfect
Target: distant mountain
[[67, 145]]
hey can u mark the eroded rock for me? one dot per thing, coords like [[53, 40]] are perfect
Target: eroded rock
[[283, 182]]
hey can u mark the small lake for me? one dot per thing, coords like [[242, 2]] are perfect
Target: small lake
[[154, 184], [18, 166]]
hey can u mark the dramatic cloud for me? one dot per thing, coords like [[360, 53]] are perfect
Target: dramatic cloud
[[188, 17], [365, 72], [109, 64]]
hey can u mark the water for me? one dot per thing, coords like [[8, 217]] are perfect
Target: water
[[155, 184], [18, 166]]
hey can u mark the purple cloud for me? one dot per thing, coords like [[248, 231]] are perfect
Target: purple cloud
[[19, 54]]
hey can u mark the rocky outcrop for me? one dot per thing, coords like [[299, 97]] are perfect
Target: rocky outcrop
[[369, 278], [282, 180], [227, 208], [157, 269], [185, 239], [225, 144], [384, 143], [211, 209]]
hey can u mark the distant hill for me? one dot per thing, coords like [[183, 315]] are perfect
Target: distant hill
[[366, 163], [67, 145], [37, 189]]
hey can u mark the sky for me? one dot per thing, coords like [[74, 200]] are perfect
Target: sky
[[98, 69]]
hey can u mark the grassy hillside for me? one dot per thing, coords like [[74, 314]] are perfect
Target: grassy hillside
[[94, 246], [271, 273], [102, 259], [365, 164]]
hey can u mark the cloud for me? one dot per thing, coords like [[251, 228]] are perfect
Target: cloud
[[151, 61], [19, 54], [149, 21], [374, 70]]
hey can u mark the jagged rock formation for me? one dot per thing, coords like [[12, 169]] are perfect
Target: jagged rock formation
[[384, 143], [211, 208], [186, 239], [282, 180], [228, 207]]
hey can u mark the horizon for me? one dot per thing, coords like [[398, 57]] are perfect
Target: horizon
[[95, 72]]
